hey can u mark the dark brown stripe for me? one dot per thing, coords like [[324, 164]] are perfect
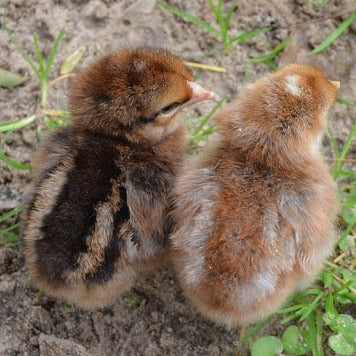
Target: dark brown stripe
[[72, 219]]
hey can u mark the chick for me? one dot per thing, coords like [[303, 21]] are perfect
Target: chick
[[97, 212], [255, 213]]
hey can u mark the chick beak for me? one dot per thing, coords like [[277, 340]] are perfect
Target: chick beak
[[335, 84], [199, 94]]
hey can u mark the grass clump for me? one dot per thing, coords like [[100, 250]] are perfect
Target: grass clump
[[272, 55], [222, 31], [54, 118], [42, 68], [335, 34], [201, 131], [7, 235]]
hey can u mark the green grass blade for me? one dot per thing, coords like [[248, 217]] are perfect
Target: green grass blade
[[329, 305], [202, 137], [212, 7], [298, 297], [189, 18], [292, 316], [11, 240], [310, 308], [11, 213], [38, 54], [255, 329], [208, 117], [220, 7], [319, 333], [333, 143], [18, 46], [311, 335], [326, 278], [274, 53], [338, 165], [227, 20], [311, 291], [54, 49], [350, 203], [14, 164], [334, 35], [220, 21], [10, 228], [8, 236], [345, 101], [245, 36], [346, 173], [348, 141], [343, 289], [247, 72], [290, 309], [216, 12], [10, 126], [205, 133], [231, 10], [346, 232]]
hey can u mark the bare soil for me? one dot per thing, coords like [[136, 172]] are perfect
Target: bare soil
[[155, 319]]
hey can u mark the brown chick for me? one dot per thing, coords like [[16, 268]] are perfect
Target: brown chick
[[255, 213], [97, 212]]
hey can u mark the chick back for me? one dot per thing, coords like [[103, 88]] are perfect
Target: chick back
[[84, 237], [248, 236]]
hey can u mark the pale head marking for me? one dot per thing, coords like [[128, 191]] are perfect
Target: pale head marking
[[292, 85], [335, 84], [140, 65]]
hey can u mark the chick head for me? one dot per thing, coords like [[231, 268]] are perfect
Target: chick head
[[136, 91], [283, 111]]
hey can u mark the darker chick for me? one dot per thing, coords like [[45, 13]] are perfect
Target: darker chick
[[97, 211], [255, 213]]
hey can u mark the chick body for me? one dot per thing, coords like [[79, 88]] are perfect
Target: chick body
[[255, 212], [97, 211]]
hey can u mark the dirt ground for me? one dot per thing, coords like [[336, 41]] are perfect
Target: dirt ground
[[156, 319]]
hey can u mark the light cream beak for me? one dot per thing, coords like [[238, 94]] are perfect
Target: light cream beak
[[335, 84], [200, 94]]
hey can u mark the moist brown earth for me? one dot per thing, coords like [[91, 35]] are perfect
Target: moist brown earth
[[155, 318]]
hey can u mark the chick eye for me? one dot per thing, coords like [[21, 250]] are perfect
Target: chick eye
[[164, 110], [169, 108]]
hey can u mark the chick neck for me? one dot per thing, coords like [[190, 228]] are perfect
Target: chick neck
[[287, 149]]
